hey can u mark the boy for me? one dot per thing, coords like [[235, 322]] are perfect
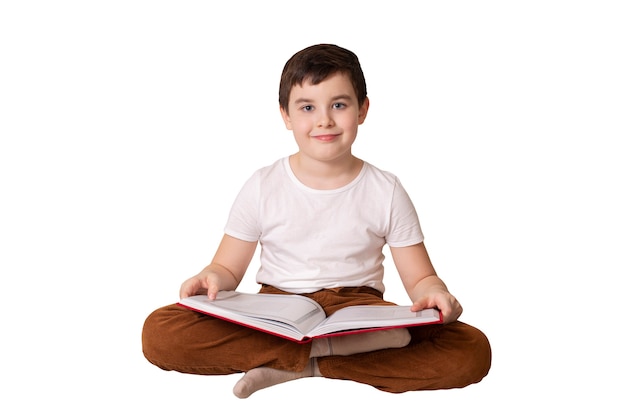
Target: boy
[[322, 217]]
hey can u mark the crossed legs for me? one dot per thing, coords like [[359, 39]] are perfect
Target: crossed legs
[[432, 357], [264, 377]]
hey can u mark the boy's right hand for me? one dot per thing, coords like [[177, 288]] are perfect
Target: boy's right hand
[[205, 282], [225, 270]]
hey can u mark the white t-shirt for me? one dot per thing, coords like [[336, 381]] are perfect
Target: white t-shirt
[[313, 239]]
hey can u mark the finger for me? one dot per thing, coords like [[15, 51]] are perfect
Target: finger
[[188, 288], [184, 292], [212, 291], [420, 304]]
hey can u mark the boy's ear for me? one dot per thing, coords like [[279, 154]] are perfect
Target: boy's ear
[[363, 110], [286, 118]]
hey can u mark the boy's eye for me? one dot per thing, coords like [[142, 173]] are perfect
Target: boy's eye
[[308, 107], [339, 106]]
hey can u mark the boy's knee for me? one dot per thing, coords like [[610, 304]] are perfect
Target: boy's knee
[[483, 348], [148, 337], [477, 359], [154, 338]]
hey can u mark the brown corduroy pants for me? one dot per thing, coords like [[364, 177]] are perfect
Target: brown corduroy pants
[[438, 357]]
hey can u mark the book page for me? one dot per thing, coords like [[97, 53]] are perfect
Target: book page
[[363, 317], [292, 314]]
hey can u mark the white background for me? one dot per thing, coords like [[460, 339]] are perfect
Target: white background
[[127, 128]]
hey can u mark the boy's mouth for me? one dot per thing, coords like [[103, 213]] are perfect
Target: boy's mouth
[[325, 138]]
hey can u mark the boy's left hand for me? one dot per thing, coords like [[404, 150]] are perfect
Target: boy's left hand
[[443, 301]]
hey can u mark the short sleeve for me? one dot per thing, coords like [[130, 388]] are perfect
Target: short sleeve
[[404, 225], [243, 220]]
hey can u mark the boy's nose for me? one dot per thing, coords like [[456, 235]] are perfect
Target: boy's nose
[[325, 120]]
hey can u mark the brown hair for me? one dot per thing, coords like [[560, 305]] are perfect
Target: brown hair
[[315, 64]]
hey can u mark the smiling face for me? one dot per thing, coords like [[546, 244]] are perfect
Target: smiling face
[[325, 118]]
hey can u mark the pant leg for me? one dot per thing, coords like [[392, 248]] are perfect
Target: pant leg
[[179, 339], [438, 357]]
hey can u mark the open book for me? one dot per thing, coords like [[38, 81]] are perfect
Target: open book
[[301, 319]]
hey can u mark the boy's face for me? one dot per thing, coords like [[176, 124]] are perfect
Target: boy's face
[[325, 117]]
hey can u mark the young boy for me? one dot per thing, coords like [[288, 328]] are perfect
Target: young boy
[[322, 217]]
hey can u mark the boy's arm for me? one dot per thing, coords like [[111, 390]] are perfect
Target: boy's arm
[[422, 284], [226, 270]]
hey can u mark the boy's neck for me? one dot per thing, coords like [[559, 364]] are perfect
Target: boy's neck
[[325, 175]]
